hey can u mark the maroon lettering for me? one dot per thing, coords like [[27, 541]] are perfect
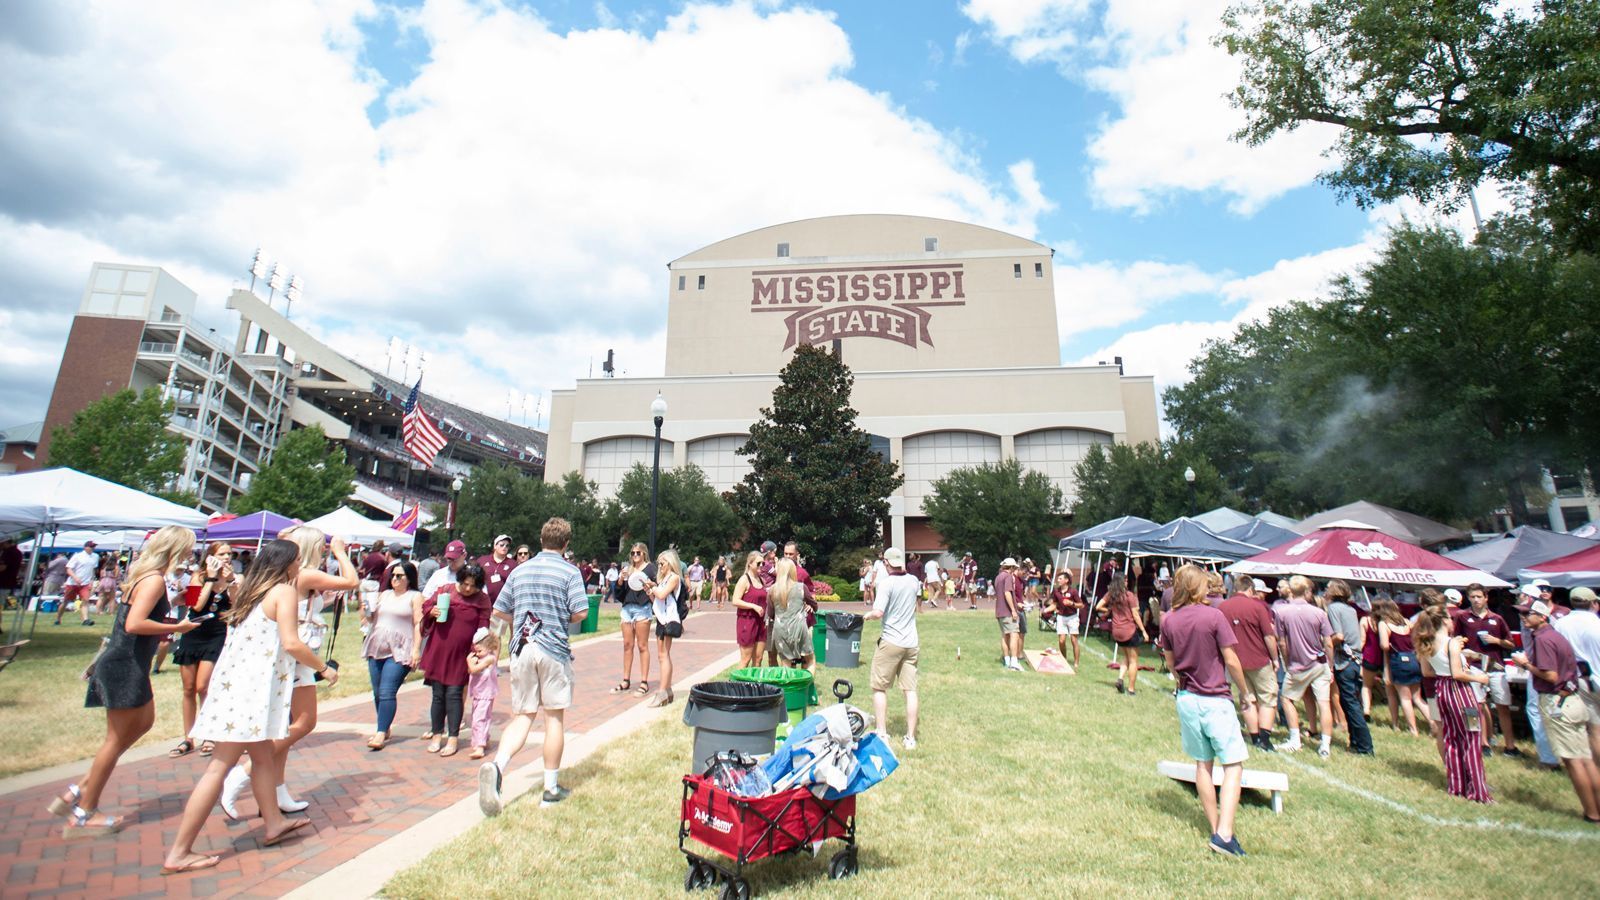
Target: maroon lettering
[[941, 282], [916, 281], [764, 289], [960, 295], [786, 286], [860, 288], [882, 288], [802, 289], [899, 285]]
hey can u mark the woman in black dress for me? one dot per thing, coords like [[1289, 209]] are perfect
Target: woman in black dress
[[120, 681], [197, 653]]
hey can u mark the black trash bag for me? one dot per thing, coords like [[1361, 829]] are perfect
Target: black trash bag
[[733, 696], [845, 621]]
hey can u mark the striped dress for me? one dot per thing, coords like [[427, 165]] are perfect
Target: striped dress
[[1463, 761]]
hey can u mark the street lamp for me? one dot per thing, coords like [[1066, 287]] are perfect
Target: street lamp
[[455, 495], [658, 412], [1188, 475]]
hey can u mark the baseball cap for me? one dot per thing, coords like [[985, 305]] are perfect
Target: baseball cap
[[1537, 607], [1008, 563], [1530, 590], [1453, 595], [1257, 584], [1583, 594], [89, 543], [967, 555], [455, 550], [894, 556], [479, 635], [1541, 583], [768, 546], [503, 537]]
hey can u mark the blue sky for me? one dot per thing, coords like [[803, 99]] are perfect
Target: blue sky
[[499, 184]]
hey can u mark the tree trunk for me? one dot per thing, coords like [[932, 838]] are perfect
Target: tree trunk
[[1517, 500]]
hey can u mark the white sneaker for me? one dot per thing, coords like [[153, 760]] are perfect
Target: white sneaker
[[233, 787], [1290, 746], [910, 742]]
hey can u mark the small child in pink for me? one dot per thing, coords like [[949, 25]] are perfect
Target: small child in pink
[[483, 685]]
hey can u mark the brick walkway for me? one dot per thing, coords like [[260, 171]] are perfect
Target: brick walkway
[[358, 798]]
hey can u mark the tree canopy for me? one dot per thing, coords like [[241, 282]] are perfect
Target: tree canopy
[[306, 478], [500, 499], [996, 510], [123, 437], [814, 478], [690, 514], [1145, 480], [1433, 98], [1439, 379]]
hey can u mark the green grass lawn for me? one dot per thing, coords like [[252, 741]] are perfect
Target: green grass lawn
[[1035, 785], [41, 695]]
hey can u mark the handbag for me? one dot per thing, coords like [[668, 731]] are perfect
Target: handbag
[[88, 671], [328, 660]]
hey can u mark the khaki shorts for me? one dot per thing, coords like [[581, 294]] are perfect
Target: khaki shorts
[[1564, 722], [894, 665], [1263, 683], [1591, 699], [539, 681], [1317, 678], [1009, 625]]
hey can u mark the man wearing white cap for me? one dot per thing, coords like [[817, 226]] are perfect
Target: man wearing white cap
[[497, 567], [1581, 628], [895, 660], [81, 570], [1547, 757], [1257, 647], [1553, 678], [1007, 611]]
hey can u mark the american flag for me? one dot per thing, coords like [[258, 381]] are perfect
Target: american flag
[[418, 432]]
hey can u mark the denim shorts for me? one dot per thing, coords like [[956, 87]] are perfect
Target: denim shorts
[[1210, 729], [635, 612]]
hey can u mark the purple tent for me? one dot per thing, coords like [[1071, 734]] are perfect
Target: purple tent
[[259, 526]]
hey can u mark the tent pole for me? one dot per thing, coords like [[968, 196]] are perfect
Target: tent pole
[[27, 582], [38, 544]]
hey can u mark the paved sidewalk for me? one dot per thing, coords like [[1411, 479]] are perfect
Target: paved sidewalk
[[359, 799]]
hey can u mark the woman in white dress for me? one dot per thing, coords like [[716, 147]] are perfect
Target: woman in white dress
[[664, 609], [248, 706], [309, 584]]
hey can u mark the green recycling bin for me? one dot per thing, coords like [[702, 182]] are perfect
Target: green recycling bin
[[819, 640], [798, 690], [591, 622]]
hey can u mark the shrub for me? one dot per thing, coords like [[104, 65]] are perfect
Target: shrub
[[846, 591]]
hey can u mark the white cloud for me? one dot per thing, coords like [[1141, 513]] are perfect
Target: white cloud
[[1172, 132], [513, 212], [1091, 296]]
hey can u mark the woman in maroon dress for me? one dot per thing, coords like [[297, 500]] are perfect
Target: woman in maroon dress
[[750, 617], [448, 633]]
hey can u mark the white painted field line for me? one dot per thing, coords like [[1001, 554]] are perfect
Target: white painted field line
[[1440, 821]]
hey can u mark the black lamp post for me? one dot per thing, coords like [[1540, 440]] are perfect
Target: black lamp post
[[658, 411], [1188, 475], [455, 498]]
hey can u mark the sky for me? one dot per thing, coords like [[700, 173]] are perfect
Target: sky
[[500, 184]]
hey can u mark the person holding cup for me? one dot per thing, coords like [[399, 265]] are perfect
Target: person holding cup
[[1489, 636], [450, 619]]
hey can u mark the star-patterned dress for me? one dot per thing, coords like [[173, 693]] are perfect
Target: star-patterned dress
[[250, 688]]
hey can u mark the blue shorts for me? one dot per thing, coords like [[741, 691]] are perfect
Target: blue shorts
[[1210, 729], [635, 612]]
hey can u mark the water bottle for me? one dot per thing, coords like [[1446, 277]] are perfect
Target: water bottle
[[444, 606], [958, 651]]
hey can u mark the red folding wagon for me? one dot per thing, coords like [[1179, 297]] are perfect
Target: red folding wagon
[[748, 829]]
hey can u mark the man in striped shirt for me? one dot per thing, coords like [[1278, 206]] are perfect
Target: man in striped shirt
[[538, 600]]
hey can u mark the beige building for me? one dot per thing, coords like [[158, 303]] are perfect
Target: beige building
[[950, 329]]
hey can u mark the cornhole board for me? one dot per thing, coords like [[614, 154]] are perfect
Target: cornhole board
[[1275, 783], [1048, 662]]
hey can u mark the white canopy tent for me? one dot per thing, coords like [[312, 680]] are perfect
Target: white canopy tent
[[355, 528], [65, 541], [49, 501]]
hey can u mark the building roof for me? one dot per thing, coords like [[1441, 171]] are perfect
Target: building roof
[[883, 233], [28, 433], [461, 423]]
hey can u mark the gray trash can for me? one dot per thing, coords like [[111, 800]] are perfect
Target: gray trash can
[[727, 715], [844, 640]]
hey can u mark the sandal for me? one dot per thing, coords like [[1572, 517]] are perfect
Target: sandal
[[63, 804], [377, 741], [643, 689], [451, 748], [184, 748], [194, 865], [80, 826], [425, 736], [622, 687], [206, 747], [287, 832], [435, 744]]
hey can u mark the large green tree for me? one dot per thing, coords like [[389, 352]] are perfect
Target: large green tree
[[814, 478], [690, 514], [1440, 378], [1434, 96], [996, 510], [1145, 480], [123, 437], [307, 477], [500, 499]]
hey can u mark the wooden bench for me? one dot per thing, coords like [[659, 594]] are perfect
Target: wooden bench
[[1276, 783], [9, 652]]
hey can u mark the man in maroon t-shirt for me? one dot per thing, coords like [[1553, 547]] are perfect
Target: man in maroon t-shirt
[[1198, 645], [1008, 613], [1553, 674], [1247, 613], [969, 580], [1487, 634], [497, 567]]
